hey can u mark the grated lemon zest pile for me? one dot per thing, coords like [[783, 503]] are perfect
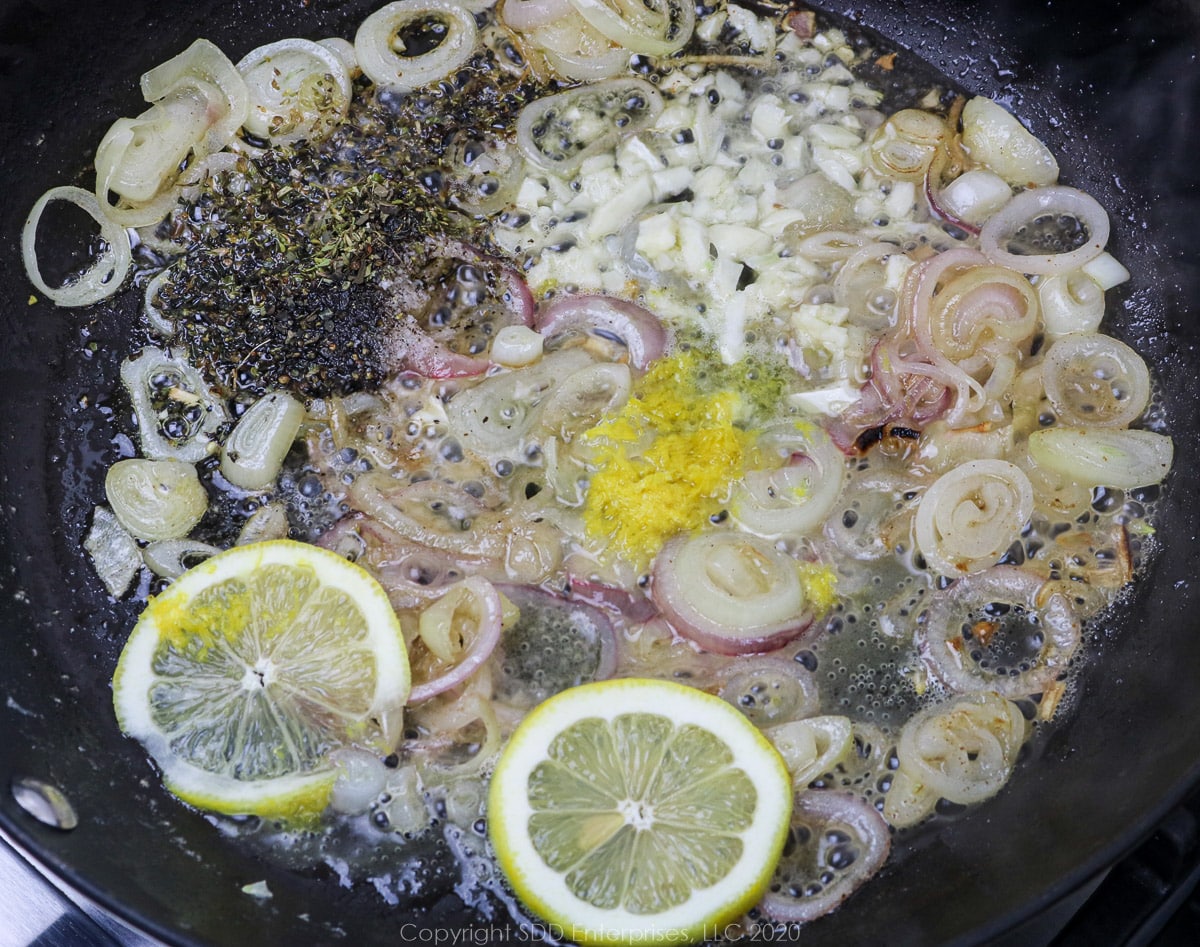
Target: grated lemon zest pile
[[665, 462]]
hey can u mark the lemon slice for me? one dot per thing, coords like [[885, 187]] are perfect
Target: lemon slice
[[632, 811], [250, 669]]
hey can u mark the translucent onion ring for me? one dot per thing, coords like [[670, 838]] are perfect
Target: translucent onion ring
[[155, 499], [908, 143], [495, 417], [963, 750], [115, 554], [575, 50], [253, 453], [452, 715], [813, 746], [522, 15], [551, 119], [586, 621], [1071, 302], [375, 44], [871, 519], [624, 606], [286, 81], [171, 558], [729, 592], [413, 575], [204, 62], [139, 158], [830, 246], [947, 655], [1104, 457], [1094, 380], [982, 304], [794, 499], [408, 346], [971, 515], [903, 387], [158, 319], [107, 272], [429, 513], [636, 328], [637, 27], [1036, 202], [845, 831], [580, 401], [852, 285], [146, 376], [437, 626], [916, 306], [344, 50], [769, 689]]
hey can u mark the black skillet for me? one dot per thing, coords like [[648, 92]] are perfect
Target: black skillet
[[1113, 87]]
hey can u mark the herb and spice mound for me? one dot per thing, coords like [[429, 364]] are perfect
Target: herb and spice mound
[[715, 412], [298, 253]]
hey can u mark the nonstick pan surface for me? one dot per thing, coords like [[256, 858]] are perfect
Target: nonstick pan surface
[[1112, 86]]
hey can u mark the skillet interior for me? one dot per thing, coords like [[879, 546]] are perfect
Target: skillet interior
[[1107, 84]]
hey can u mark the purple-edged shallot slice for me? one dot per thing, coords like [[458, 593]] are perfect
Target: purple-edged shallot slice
[[730, 592]]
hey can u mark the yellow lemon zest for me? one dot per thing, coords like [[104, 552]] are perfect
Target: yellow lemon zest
[[820, 586], [665, 462]]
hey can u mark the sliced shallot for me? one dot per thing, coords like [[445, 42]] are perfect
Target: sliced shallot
[[637, 329], [961, 634], [628, 607], [460, 630], [413, 575], [769, 689], [1103, 457], [106, 273], [1094, 380], [452, 305], [729, 592], [837, 842], [794, 499], [942, 211], [965, 749], [972, 514], [410, 347], [556, 643], [379, 44], [813, 746], [1034, 205], [524, 15]]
